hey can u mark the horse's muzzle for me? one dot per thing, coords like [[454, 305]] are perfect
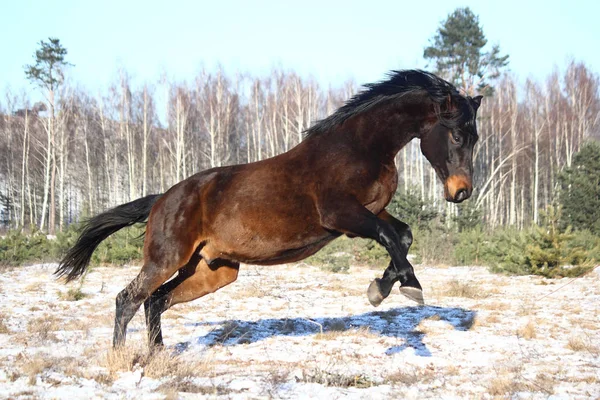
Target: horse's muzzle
[[457, 188]]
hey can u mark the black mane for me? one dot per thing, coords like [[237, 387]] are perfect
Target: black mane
[[399, 84]]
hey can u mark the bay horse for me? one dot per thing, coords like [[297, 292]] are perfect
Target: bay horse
[[337, 181]]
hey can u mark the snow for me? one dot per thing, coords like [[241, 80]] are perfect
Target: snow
[[297, 332]]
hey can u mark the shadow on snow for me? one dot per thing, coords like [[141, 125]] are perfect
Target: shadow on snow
[[397, 322]]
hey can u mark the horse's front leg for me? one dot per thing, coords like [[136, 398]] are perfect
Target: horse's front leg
[[381, 288], [344, 214]]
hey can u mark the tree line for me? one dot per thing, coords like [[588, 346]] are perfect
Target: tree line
[[92, 152]]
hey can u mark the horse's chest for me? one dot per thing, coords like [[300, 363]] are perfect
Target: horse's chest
[[382, 190]]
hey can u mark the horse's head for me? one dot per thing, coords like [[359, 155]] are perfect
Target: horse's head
[[448, 146]]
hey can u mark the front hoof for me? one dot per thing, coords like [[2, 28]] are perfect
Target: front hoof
[[413, 294], [374, 293]]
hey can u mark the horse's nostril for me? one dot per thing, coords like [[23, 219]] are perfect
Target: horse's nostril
[[461, 195]]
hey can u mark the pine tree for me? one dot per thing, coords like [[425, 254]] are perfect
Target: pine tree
[[457, 51], [580, 190], [48, 74]]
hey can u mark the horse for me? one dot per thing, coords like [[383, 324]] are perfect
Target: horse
[[337, 181]]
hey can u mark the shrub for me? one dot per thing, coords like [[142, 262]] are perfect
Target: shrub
[[434, 243], [18, 248], [543, 250], [335, 257], [470, 246], [409, 208]]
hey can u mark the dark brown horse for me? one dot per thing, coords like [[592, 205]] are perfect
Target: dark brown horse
[[337, 181]]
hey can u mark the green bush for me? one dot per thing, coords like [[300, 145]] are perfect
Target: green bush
[[543, 250], [433, 244], [123, 247], [335, 257], [470, 246], [18, 248], [338, 255], [467, 217], [410, 209], [579, 190]]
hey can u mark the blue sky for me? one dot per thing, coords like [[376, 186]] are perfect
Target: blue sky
[[330, 40]]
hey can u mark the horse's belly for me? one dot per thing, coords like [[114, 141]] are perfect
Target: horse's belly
[[274, 240]]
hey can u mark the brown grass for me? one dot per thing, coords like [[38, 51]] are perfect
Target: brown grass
[[172, 389], [360, 334], [43, 328], [336, 379], [33, 366], [34, 287], [505, 383], [581, 343], [409, 377], [489, 320], [527, 331], [73, 294], [467, 290], [494, 306], [3, 327], [158, 364]]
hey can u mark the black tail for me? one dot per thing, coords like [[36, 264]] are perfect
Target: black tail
[[98, 228]]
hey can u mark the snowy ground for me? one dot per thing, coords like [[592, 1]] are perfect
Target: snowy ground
[[298, 332]]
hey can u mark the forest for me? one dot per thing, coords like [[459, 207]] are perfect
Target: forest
[[78, 153]]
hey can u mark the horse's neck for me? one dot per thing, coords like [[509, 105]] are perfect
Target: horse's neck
[[387, 132]]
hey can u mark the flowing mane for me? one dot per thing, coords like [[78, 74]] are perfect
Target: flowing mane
[[399, 84]]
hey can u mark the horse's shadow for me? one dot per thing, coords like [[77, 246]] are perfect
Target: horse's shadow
[[397, 322]]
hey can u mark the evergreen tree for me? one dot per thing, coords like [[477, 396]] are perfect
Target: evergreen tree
[[457, 51], [580, 190], [47, 73], [411, 209], [48, 70]]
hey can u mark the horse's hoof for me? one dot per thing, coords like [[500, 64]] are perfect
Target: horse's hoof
[[374, 293], [413, 294]]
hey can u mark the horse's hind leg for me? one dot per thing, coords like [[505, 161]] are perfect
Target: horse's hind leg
[[154, 304], [193, 281], [129, 299]]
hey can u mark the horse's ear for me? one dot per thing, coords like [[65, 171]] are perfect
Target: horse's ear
[[476, 101]]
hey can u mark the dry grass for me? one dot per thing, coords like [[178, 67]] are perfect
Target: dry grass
[[73, 294], [494, 306], [360, 334], [509, 380], [582, 343], [527, 331], [489, 320], [402, 377], [336, 379], [527, 307], [34, 286], [409, 377], [158, 364], [43, 328], [32, 366], [467, 290], [3, 327], [250, 290], [233, 330], [505, 383], [172, 389]]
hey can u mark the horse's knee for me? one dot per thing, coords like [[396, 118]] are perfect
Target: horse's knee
[[406, 237]]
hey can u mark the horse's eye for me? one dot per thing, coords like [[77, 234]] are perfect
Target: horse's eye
[[456, 139]]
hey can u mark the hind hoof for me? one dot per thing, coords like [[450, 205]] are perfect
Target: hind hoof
[[413, 294], [374, 293]]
